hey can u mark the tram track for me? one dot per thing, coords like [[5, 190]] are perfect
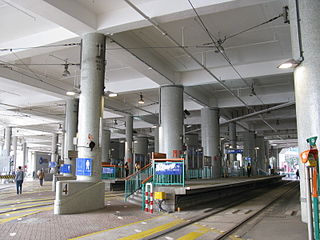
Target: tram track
[[232, 202]]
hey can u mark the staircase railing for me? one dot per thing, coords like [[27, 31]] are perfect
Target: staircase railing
[[134, 181]]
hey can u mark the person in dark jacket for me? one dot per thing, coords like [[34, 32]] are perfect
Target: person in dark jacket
[[19, 180]]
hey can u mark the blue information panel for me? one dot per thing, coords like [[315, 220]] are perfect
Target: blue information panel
[[52, 164], [169, 168], [107, 170], [234, 151], [248, 158], [84, 167], [65, 168]]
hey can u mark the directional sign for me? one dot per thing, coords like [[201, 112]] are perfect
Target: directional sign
[[65, 168], [84, 167], [52, 164], [234, 151]]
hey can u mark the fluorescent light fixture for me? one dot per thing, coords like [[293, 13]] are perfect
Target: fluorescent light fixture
[[154, 126], [256, 148], [112, 94], [71, 93], [291, 63]]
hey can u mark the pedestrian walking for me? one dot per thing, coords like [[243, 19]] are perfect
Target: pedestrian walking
[[19, 180], [41, 176]]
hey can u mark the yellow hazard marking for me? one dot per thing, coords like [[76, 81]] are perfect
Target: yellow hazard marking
[[236, 238], [32, 211], [18, 201], [194, 235], [153, 230], [33, 205], [27, 210], [106, 230]]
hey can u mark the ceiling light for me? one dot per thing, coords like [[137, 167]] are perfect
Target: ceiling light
[[115, 122], [60, 129], [141, 101], [154, 126], [66, 73], [112, 94], [71, 93], [291, 63]]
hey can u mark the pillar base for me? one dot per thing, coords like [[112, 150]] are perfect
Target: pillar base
[[78, 196], [60, 177]]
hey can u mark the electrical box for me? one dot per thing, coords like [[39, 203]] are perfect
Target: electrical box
[[160, 195]]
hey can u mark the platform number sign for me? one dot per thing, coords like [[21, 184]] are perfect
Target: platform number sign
[[65, 189]]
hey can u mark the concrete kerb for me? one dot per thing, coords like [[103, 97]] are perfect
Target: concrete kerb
[[78, 196]]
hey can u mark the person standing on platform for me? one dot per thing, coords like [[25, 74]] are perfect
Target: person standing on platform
[[249, 169], [41, 176], [126, 168], [19, 180]]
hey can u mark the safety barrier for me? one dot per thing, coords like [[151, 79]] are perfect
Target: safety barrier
[[168, 171], [134, 181], [7, 176], [148, 199], [111, 172], [202, 173]]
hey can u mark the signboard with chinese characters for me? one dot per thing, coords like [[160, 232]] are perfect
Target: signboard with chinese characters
[[107, 170], [169, 168]]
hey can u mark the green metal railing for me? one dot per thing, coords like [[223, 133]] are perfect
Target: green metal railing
[[168, 172], [202, 173], [111, 172], [134, 181]]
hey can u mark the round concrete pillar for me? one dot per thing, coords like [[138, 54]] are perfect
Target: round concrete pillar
[[91, 103], [210, 138], [54, 151], [128, 143], [105, 146], [71, 126], [306, 79], [171, 119], [156, 139], [14, 152], [140, 145]]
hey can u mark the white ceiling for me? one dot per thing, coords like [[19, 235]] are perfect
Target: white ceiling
[[34, 91]]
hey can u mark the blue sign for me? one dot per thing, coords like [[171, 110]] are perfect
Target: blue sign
[[234, 151], [65, 168], [248, 158], [52, 164], [84, 167], [169, 168], [107, 170]]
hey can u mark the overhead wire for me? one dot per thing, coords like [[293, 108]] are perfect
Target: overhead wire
[[218, 46]]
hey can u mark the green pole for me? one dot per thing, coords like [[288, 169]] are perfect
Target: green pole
[[316, 217]]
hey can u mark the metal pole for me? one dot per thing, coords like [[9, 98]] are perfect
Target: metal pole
[[309, 204]]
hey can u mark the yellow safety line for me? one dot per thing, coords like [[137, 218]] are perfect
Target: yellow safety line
[[153, 230], [26, 203], [33, 211], [194, 235], [35, 205], [13, 218], [106, 230], [22, 201], [26, 210]]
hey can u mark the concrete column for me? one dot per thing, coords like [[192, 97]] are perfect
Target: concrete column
[[25, 154], [71, 127], [249, 151], [156, 139], [140, 146], [210, 138], [91, 102], [266, 154], [14, 152], [306, 79], [54, 151], [128, 144], [233, 142], [171, 119], [105, 146], [260, 154], [1, 148], [7, 147]]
